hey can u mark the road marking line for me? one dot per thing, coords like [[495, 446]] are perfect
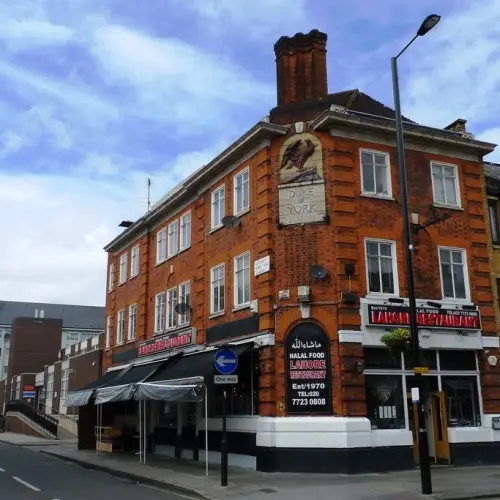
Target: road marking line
[[2, 470], [28, 485]]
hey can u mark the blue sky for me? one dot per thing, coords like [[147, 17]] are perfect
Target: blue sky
[[97, 95]]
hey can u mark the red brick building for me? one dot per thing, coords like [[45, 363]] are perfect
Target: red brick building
[[288, 247]]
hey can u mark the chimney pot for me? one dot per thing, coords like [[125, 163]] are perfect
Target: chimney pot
[[301, 67]]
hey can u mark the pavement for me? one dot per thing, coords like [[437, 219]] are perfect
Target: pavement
[[28, 475], [187, 479]]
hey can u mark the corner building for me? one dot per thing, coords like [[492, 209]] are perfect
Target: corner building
[[288, 248]]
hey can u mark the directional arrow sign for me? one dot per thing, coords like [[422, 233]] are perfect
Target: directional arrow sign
[[225, 361]]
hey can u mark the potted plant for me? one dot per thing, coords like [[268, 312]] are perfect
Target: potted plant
[[397, 341]]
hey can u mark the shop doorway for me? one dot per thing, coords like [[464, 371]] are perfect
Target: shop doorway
[[436, 421]]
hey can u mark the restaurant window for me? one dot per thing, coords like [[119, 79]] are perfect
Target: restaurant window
[[457, 360], [167, 414], [380, 359], [462, 401], [384, 400], [428, 358], [243, 397]]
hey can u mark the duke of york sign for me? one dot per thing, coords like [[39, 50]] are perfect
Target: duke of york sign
[[426, 317]]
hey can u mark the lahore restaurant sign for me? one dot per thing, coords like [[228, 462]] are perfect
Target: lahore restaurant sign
[[427, 317], [173, 340], [308, 369]]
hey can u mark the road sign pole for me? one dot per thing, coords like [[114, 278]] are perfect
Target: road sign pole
[[226, 363], [223, 444]]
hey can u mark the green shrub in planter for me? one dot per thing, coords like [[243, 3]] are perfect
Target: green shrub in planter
[[398, 340]]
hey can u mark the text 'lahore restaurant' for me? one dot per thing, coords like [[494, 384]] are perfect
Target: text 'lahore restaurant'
[[441, 318]]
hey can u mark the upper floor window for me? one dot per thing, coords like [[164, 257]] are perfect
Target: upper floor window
[[454, 280], [445, 184], [50, 385], [161, 245], [185, 299], [160, 312], [185, 233], [242, 280], [108, 331], [381, 267], [111, 278], [132, 322], [171, 312], [64, 383], [173, 238], [120, 327], [134, 261], [217, 289], [375, 174], [241, 192], [122, 277], [493, 213], [218, 196]]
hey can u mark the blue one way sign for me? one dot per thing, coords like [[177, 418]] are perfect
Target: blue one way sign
[[225, 361]]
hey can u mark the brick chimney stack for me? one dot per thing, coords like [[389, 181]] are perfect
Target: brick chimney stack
[[301, 67]]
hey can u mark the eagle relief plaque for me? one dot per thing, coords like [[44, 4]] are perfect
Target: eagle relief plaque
[[300, 180]]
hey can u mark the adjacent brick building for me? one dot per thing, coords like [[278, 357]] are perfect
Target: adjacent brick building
[[289, 244]]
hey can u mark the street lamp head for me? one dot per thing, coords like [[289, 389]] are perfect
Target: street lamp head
[[428, 23]]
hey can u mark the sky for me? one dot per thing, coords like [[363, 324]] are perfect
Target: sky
[[98, 95]]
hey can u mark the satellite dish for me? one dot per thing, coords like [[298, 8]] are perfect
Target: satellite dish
[[181, 308], [318, 272], [230, 221]]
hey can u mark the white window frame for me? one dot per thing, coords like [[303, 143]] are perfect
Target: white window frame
[[246, 208], [184, 319], [185, 220], [466, 275], [120, 327], [220, 188], [18, 389], [134, 261], [132, 322], [50, 386], [173, 239], [172, 319], [122, 272], [109, 326], [111, 277], [394, 268], [244, 304], [213, 308], [64, 382], [159, 308], [161, 245], [388, 173], [457, 185]]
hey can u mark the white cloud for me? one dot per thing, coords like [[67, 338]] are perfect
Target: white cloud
[[29, 33], [181, 84], [255, 18], [57, 225], [492, 135], [454, 71], [11, 142]]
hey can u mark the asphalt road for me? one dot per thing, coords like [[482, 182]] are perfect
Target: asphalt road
[[26, 474]]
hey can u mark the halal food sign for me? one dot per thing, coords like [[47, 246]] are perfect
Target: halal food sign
[[426, 317], [308, 369]]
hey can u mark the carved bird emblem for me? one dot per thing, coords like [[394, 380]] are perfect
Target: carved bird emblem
[[296, 154]]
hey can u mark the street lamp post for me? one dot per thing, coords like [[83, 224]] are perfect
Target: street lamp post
[[423, 443]]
